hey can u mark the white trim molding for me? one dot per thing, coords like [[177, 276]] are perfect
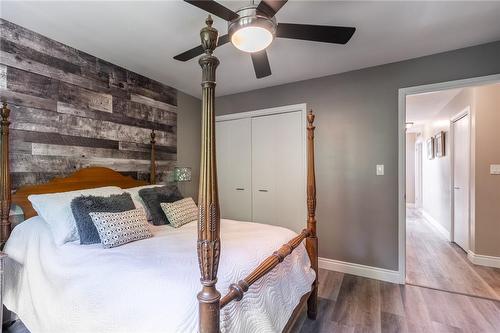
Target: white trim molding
[[436, 225], [479, 259], [360, 270]]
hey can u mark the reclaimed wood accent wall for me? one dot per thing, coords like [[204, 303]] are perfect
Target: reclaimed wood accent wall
[[72, 110]]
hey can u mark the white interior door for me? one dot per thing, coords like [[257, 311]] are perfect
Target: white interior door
[[461, 140], [418, 174], [278, 170], [234, 162]]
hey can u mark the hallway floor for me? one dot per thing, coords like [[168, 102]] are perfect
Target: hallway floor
[[434, 262]]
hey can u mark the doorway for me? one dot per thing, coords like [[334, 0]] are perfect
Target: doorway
[[436, 231]]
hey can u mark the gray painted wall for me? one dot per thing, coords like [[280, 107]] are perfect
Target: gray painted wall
[[357, 128], [189, 141]]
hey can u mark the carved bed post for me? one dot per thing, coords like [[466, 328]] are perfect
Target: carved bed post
[[208, 202], [312, 239], [152, 174], [5, 194]]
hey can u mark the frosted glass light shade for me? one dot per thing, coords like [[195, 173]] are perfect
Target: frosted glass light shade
[[252, 39]]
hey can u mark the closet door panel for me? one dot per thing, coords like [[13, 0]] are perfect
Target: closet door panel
[[233, 140], [278, 170]]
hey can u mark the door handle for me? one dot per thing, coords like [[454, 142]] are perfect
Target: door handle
[[456, 188], [240, 189], [262, 190]]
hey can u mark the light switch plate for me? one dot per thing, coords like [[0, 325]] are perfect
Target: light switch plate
[[380, 169], [495, 169]]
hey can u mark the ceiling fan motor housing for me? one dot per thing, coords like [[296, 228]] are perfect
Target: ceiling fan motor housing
[[250, 17]]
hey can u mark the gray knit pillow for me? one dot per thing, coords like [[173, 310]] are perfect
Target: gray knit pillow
[[83, 205], [152, 198], [116, 229]]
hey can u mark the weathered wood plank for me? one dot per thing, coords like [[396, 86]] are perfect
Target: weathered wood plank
[[31, 54], [117, 76], [31, 84], [17, 61], [56, 138], [113, 117], [146, 147], [85, 98], [44, 149], [142, 111], [30, 119], [151, 102], [29, 163], [16, 99], [141, 85], [3, 77]]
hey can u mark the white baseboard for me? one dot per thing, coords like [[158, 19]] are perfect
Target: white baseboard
[[478, 259], [360, 270], [438, 226]]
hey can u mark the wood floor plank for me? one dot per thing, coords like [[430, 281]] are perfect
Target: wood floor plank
[[330, 287], [358, 303], [434, 262]]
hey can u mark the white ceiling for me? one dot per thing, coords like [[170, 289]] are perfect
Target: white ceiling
[[144, 36], [422, 108]]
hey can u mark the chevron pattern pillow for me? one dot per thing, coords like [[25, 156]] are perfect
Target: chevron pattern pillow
[[116, 229], [180, 212]]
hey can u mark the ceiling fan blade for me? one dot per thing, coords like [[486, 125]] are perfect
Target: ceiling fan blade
[[271, 7], [316, 33], [261, 64], [214, 8], [198, 50]]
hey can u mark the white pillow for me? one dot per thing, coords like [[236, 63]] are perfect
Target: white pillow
[[139, 203], [55, 209]]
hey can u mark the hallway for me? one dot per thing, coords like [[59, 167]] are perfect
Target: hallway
[[434, 262]]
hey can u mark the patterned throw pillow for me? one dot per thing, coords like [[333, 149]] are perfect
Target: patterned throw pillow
[[116, 229], [180, 212]]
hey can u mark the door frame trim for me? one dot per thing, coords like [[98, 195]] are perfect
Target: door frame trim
[[402, 93], [464, 113]]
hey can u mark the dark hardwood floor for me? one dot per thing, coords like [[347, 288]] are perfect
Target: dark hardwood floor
[[355, 304], [432, 261]]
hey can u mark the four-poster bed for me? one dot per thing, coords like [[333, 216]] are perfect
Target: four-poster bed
[[209, 223]]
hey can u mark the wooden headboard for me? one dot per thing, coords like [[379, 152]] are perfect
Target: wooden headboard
[[92, 177]]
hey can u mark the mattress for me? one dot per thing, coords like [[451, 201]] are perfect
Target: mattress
[[148, 285]]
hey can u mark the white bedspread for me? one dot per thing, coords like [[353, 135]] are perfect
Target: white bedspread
[[149, 285]]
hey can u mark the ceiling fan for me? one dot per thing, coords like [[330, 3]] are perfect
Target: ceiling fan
[[253, 28]]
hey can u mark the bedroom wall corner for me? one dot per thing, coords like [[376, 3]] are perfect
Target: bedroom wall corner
[[189, 141]]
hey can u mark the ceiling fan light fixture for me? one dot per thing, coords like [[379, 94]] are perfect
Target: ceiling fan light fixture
[[252, 39], [252, 31]]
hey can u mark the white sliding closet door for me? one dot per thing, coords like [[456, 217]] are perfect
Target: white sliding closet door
[[234, 162], [278, 170]]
